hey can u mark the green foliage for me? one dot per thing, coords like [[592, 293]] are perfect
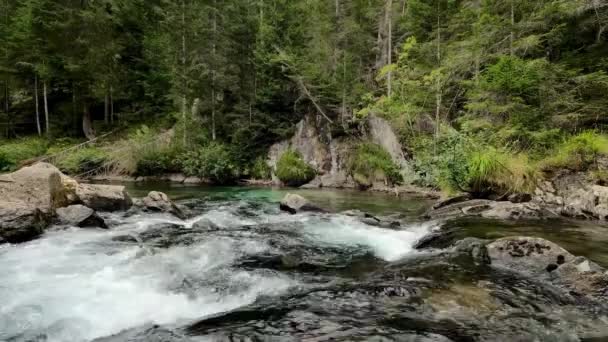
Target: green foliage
[[579, 152], [15, 151], [514, 76], [214, 162], [370, 163], [82, 160], [260, 169], [158, 162], [292, 170]]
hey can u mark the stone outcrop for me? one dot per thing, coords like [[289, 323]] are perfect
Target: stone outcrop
[[573, 195], [159, 202], [294, 204], [329, 155], [78, 215]]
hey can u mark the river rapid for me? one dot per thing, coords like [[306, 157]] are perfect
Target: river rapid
[[240, 270]]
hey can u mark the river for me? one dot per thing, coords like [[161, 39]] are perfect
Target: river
[[249, 272]]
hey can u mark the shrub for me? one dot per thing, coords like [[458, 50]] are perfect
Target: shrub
[[214, 162], [490, 171], [292, 170], [260, 169], [578, 153], [15, 151], [157, 162], [372, 163], [82, 160]]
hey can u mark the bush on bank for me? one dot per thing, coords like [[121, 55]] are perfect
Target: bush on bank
[[292, 170]]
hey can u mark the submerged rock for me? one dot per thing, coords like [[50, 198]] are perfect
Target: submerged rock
[[21, 222], [293, 204], [104, 197], [159, 202], [80, 216]]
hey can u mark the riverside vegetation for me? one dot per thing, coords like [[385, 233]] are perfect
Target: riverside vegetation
[[486, 96]]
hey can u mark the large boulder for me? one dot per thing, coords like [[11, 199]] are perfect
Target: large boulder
[[293, 204], [20, 221], [159, 202], [80, 216], [41, 186], [546, 260], [104, 197]]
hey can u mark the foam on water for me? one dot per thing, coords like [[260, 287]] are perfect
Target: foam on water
[[72, 287], [387, 244]]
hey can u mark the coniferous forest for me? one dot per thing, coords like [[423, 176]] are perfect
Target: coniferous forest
[[471, 87]]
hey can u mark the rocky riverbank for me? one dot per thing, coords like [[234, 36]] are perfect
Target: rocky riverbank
[[37, 196]]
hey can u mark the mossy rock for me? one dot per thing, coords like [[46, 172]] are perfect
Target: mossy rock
[[292, 170]]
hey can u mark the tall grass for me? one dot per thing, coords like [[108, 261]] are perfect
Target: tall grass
[[578, 153]]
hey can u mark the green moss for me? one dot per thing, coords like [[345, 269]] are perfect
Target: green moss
[[371, 163], [578, 153], [292, 170], [13, 152]]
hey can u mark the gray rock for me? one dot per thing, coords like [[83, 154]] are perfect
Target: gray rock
[[41, 186], [80, 216], [104, 197], [528, 255], [293, 204], [543, 259], [205, 224], [21, 222], [500, 210], [159, 202], [519, 198], [452, 200]]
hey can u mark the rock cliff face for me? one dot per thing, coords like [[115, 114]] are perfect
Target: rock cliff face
[[574, 195], [329, 155]]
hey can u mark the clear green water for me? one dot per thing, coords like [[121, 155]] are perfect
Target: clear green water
[[331, 199], [589, 239]]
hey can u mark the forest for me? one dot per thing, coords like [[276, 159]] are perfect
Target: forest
[[485, 95]]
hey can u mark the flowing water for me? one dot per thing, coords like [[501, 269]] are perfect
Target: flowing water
[[248, 272]]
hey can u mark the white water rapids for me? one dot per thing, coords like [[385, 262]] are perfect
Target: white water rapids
[[78, 284]]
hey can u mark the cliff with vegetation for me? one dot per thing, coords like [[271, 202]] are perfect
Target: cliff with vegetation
[[484, 97]]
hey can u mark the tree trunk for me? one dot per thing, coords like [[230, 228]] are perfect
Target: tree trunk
[[37, 105], [111, 105], [438, 81], [106, 108], [389, 19], [184, 100], [46, 109], [512, 34], [87, 124], [213, 136]]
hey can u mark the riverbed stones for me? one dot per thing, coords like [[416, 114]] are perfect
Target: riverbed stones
[[500, 210], [293, 204], [80, 216], [20, 222], [104, 197], [159, 202]]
